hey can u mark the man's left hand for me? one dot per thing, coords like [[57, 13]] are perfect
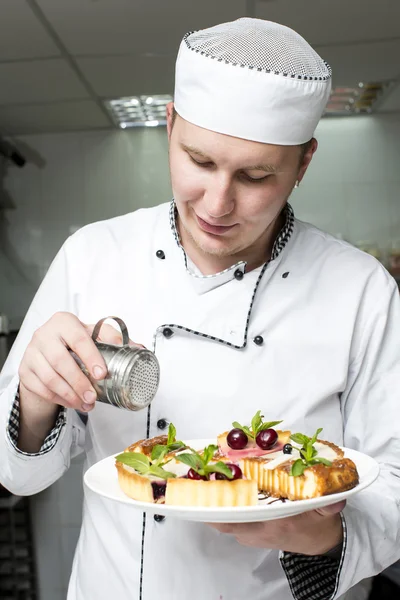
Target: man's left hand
[[311, 533]]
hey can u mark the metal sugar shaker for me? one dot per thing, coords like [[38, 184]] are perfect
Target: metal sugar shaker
[[133, 372]]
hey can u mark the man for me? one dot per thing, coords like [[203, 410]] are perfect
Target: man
[[246, 308]]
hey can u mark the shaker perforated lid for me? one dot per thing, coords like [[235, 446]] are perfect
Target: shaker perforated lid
[[253, 79], [142, 379]]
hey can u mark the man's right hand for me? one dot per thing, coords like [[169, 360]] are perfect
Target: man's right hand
[[50, 377], [48, 371]]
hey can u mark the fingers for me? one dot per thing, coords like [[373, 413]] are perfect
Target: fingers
[[49, 371], [332, 509]]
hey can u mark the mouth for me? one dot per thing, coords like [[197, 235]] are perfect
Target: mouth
[[214, 229]]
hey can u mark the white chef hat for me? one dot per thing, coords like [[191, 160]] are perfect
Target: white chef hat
[[252, 79]]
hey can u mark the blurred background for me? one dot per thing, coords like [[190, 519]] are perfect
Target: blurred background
[[83, 88]]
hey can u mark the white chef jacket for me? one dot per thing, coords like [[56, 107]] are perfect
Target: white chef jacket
[[328, 317]]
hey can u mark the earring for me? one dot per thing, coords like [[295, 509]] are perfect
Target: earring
[[297, 184]]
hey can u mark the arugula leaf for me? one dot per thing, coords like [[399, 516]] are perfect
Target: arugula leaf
[[171, 434], [193, 460], [160, 472], [219, 467], [298, 468], [136, 460]]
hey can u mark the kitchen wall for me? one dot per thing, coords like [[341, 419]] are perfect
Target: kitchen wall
[[352, 189]]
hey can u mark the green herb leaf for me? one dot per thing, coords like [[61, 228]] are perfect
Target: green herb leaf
[[268, 425], [316, 434], [136, 460], [193, 460], [244, 428], [256, 422], [322, 460], [176, 446], [298, 468], [160, 472], [299, 438], [209, 453], [219, 467], [171, 434], [158, 453]]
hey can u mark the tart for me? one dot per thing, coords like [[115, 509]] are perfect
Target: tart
[[285, 465], [161, 470]]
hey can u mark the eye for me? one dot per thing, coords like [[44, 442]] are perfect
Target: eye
[[205, 165], [255, 179]]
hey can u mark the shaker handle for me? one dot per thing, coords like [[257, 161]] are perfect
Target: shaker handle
[[122, 326]]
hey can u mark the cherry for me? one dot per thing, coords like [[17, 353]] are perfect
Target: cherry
[[266, 438], [237, 439], [236, 472], [194, 475]]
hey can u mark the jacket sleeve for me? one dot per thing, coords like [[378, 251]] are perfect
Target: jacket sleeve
[[20, 472], [370, 407]]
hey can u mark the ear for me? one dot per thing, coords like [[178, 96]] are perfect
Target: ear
[[308, 156], [170, 113]]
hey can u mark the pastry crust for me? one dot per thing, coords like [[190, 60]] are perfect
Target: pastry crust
[[219, 492], [317, 480], [134, 485]]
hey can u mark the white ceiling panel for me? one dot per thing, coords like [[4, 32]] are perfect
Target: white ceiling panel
[[48, 118], [364, 62], [133, 26], [128, 75], [325, 22], [39, 81], [21, 35]]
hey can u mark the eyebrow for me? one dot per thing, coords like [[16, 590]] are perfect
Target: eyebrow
[[266, 168]]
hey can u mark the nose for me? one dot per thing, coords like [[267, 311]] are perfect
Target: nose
[[219, 197]]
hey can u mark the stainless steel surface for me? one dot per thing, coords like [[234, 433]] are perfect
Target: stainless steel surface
[[133, 372]]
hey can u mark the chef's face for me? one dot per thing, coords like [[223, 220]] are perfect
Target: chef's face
[[230, 192]]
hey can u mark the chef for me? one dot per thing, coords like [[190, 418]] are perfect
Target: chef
[[246, 308]]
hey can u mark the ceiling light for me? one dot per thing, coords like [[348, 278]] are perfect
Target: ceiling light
[[363, 98], [139, 111]]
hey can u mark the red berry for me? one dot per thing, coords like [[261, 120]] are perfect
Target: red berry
[[266, 438], [236, 472], [194, 475], [237, 439]]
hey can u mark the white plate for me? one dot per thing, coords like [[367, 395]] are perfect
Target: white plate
[[102, 479]]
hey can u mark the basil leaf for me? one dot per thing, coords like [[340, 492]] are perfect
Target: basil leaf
[[324, 461], [136, 460], [299, 438], [159, 472], [237, 425], [171, 434], [193, 460], [316, 434], [256, 422], [298, 468], [244, 428], [209, 453], [158, 453], [219, 467], [269, 425], [176, 446]]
